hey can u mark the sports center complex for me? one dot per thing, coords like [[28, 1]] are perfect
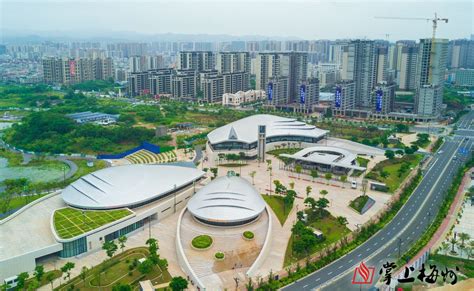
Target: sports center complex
[[122, 200]]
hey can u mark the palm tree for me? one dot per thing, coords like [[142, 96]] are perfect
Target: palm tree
[[122, 240], [453, 242], [464, 237], [308, 190], [445, 247], [298, 170], [314, 174]]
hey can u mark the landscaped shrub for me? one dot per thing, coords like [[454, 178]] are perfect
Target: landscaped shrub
[[219, 255], [248, 234], [202, 241]]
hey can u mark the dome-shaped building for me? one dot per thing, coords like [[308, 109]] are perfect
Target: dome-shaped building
[[227, 201]]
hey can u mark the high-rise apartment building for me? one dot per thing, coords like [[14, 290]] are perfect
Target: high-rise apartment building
[[230, 62], [430, 71], [275, 65], [358, 65], [381, 65], [278, 91], [196, 60], [383, 98], [407, 73], [71, 71], [184, 85], [344, 98], [461, 54], [308, 94]]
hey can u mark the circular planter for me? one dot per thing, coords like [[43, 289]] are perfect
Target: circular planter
[[202, 242], [219, 256], [248, 235]]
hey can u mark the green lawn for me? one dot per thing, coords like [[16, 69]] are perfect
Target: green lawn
[[83, 169], [202, 241], [69, 222], [278, 206], [44, 281], [119, 269], [18, 202], [392, 167], [465, 266], [332, 231], [362, 161], [359, 203]]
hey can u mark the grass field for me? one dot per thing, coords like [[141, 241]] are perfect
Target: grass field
[[69, 222], [278, 206], [394, 178], [332, 231], [359, 203], [119, 269], [362, 161]]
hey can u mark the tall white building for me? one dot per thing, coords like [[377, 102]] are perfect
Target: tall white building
[[407, 73], [359, 66], [430, 72]]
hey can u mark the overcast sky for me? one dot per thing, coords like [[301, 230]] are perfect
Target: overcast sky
[[323, 19]]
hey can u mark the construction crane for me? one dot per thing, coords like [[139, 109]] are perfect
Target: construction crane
[[433, 20], [435, 26]]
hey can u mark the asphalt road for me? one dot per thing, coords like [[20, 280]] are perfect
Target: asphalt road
[[406, 227]]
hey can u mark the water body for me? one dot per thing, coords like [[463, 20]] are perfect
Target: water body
[[32, 173]]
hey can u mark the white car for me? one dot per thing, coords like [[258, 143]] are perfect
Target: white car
[[354, 184]]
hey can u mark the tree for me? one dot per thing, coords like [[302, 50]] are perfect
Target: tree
[[300, 215], [384, 174], [322, 203], [33, 284], [122, 240], [328, 176], [152, 245], [252, 175], [110, 248], [67, 269], [145, 267], [342, 220], [298, 170], [122, 287], [390, 154], [83, 274], [311, 202], [314, 174], [50, 278], [343, 179], [22, 277], [249, 285], [308, 190], [323, 192], [178, 283], [292, 185], [444, 247], [39, 272], [464, 237], [279, 188], [453, 242]]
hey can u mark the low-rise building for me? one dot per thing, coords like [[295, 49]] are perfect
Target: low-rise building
[[229, 99]]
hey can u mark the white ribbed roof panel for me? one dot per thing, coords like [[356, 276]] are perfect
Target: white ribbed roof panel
[[245, 129], [126, 186], [227, 199]]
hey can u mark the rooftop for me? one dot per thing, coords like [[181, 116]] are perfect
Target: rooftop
[[327, 155], [227, 199], [127, 186], [245, 129], [70, 222]]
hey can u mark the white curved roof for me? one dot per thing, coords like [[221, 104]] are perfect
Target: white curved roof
[[227, 199], [245, 129], [125, 186], [327, 155]]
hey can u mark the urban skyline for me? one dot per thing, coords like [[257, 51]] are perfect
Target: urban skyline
[[261, 20]]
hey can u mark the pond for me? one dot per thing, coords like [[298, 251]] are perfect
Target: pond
[[41, 173]]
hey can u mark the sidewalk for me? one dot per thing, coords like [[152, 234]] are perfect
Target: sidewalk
[[445, 226]]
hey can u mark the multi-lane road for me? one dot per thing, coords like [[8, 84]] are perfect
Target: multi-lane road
[[408, 225]]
